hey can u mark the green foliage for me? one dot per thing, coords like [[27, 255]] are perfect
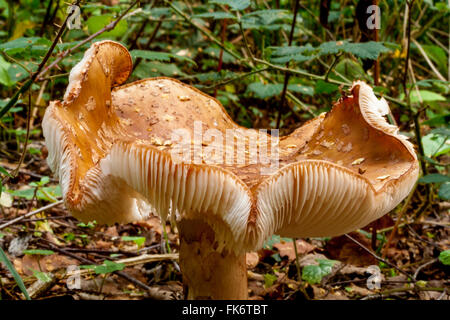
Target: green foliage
[[444, 191], [89, 225], [434, 178], [263, 91], [106, 267], [233, 4], [273, 240], [158, 56], [137, 240], [38, 252], [366, 50], [42, 276], [16, 276], [314, 273], [39, 190], [96, 23], [444, 257], [435, 145], [269, 279]]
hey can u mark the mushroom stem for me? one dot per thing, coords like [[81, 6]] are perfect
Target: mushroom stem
[[207, 272]]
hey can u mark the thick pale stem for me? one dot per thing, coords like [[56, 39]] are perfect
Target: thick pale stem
[[208, 273]]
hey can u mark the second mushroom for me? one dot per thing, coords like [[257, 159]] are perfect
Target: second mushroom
[[159, 145]]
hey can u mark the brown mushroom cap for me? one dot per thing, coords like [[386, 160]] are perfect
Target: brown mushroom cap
[[116, 157]]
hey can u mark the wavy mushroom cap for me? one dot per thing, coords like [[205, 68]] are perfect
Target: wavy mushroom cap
[[159, 144]]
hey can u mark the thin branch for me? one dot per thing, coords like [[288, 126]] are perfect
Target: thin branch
[[377, 257], [36, 74], [397, 223], [32, 213], [27, 137], [286, 76], [149, 42], [241, 76], [430, 64], [408, 5], [108, 27]]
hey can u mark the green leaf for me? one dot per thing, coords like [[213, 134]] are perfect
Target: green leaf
[[435, 145], [96, 23], [39, 252], [4, 172], [90, 224], [293, 53], [233, 4], [42, 276], [363, 50], [21, 44], [158, 56], [314, 273], [274, 239], [106, 267], [215, 52], [4, 75], [265, 17], [425, 95], [218, 15], [264, 91], [138, 240], [442, 131], [444, 191], [444, 257], [17, 278], [325, 87], [438, 55], [438, 120], [434, 178], [309, 91], [349, 68], [269, 280]]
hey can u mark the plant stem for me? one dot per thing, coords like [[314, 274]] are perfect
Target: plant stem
[[286, 76]]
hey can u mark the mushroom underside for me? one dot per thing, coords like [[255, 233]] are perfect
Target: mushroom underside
[[158, 144]]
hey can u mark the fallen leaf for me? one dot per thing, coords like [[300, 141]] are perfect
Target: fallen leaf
[[252, 259], [286, 249]]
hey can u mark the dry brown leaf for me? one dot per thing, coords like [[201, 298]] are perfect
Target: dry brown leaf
[[286, 249], [252, 259]]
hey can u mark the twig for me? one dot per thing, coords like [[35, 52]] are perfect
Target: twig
[[430, 64], [47, 14], [108, 27], [201, 29], [29, 214], [149, 42], [377, 257], [385, 293], [397, 223], [219, 66], [244, 37], [286, 76], [236, 78], [409, 4], [151, 291], [27, 137], [36, 74], [327, 74], [423, 266], [299, 276]]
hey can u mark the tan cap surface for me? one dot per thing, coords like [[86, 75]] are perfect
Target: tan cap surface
[[115, 153]]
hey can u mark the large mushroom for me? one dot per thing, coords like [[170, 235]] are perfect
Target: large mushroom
[[161, 145]]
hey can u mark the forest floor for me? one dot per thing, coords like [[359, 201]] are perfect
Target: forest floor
[[50, 248]]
